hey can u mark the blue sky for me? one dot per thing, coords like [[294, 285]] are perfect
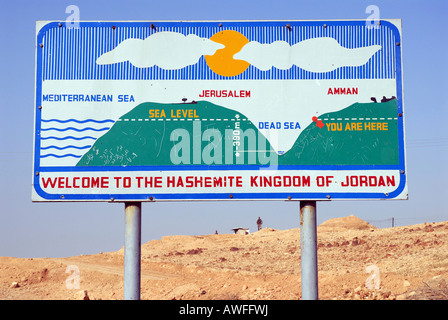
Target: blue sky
[[64, 229]]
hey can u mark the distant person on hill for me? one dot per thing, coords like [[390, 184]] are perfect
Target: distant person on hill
[[259, 223]]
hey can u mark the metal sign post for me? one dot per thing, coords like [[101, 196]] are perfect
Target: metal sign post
[[308, 243], [132, 250]]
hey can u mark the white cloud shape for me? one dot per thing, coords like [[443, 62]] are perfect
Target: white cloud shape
[[167, 50], [316, 55]]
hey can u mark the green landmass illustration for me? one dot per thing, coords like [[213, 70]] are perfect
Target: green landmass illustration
[[202, 133], [359, 137]]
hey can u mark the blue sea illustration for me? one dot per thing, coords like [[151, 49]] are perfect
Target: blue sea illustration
[[73, 140]]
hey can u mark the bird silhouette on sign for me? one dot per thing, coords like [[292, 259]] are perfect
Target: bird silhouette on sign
[[387, 99]]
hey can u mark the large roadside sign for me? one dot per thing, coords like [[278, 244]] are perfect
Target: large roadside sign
[[231, 110]]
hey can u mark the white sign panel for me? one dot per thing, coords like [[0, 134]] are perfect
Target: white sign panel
[[259, 110]]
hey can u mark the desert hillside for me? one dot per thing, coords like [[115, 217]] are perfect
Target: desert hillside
[[356, 261]]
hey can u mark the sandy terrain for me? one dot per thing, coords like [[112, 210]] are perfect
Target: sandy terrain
[[354, 259]]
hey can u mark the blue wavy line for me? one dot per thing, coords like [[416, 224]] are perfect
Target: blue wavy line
[[75, 129], [62, 148], [62, 156], [78, 121], [69, 137]]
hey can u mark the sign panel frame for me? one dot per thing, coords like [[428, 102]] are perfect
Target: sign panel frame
[[64, 80]]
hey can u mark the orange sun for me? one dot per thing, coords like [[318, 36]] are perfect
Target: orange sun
[[222, 61]]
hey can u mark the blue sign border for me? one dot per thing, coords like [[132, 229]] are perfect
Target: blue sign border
[[401, 167]]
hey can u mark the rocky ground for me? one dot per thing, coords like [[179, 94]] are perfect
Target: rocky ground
[[356, 261]]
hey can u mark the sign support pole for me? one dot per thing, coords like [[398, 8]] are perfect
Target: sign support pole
[[308, 244], [132, 250]]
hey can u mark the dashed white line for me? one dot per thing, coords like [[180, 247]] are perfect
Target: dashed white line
[[185, 119], [356, 119]]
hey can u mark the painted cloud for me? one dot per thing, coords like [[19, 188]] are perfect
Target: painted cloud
[[168, 50], [315, 55]]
